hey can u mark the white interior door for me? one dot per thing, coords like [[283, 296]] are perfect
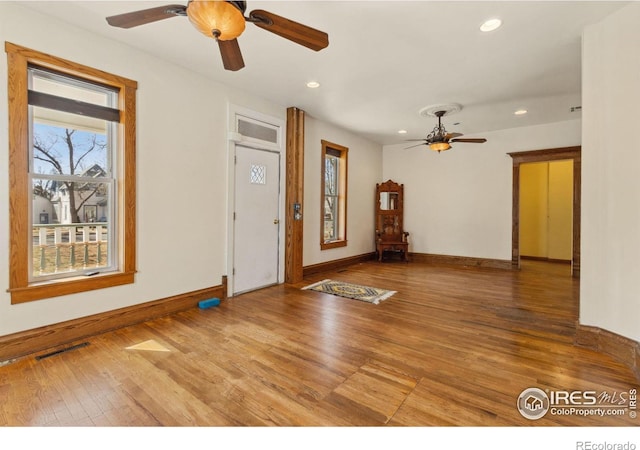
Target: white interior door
[[256, 223]]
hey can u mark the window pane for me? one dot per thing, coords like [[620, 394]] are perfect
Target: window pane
[[71, 214], [329, 208], [70, 201], [68, 144], [67, 87], [333, 232], [71, 229], [331, 175], [330, 218], [257, 131]]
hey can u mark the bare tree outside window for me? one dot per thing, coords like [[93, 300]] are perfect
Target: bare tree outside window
[[71, 153]]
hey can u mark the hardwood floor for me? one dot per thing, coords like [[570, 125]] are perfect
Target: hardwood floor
[[454, 346]]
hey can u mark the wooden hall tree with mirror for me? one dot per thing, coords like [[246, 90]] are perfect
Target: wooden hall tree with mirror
[[390, 234]]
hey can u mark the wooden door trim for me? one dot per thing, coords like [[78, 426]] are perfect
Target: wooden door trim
[[552, 154]]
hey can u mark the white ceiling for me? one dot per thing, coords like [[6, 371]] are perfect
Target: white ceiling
[[387, 60]]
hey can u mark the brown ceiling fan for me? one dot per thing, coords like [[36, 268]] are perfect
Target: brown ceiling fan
[[225, 21], [439, 140]]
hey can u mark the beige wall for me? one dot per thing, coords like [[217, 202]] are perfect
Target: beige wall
[[546, 210]]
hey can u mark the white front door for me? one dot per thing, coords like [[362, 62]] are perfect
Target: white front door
[[256, 224]]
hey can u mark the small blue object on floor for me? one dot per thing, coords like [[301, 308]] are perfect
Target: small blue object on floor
[[204, 304]]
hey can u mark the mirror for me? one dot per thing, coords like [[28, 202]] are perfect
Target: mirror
[[388, 200]]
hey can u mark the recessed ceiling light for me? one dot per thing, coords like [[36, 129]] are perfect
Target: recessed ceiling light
[[402, 131], [520, 112], [313, 84], [490, 25]]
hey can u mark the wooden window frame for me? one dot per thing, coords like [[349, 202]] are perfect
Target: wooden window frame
[[20, 288], [342, 196]]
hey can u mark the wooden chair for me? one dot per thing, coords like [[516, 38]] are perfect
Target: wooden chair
[[390, 234]]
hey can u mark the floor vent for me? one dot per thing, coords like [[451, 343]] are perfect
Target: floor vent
[[63, 350]]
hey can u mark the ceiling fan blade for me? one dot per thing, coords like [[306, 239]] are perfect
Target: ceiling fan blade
[[452, 135], [470, 140], [288, 29], [417, 145], [144, 16], [231, 55]]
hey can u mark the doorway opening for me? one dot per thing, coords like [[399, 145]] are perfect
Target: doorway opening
[[539, 245]]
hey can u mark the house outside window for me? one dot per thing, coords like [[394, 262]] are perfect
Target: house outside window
[[72, 159], [333, 223]]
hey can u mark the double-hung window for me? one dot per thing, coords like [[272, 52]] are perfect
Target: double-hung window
[[72, 172], [333, 222]]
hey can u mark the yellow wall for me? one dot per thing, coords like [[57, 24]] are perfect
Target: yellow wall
[[546, 209], [560, 237], [534, 180]]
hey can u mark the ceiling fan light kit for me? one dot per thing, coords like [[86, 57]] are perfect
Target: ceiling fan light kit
[[439, 146], [220, 20], [439, 139], [225, 21]]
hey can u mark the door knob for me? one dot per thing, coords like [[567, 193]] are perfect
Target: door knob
[[276, 221]]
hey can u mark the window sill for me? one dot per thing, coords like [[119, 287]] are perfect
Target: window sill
[[333, 244], [67, 286]]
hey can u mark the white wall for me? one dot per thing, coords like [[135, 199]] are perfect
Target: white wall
[[181, 160], [458, 202], [364, 171], [610, 270]]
